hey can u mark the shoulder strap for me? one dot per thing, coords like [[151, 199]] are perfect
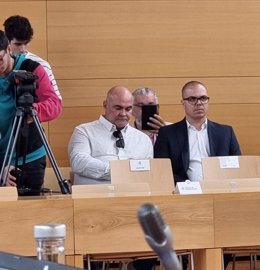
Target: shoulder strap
[[29, 65]]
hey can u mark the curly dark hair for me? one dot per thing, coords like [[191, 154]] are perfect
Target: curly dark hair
[[3, 41], [18, 27]]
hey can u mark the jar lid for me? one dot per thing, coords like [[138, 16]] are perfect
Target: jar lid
[[49, 230]]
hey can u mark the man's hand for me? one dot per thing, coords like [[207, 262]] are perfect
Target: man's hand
[[29, 119], [156, 123], [10, 180]]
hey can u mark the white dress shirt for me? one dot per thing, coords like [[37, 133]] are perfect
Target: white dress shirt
[[92, 146], [199, 148]]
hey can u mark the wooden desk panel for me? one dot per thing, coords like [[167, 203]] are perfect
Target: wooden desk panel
[[204, 223], [237, 219], [109, 225], [19, 217]]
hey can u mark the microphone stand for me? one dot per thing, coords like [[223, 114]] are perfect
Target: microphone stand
[[158, 235]]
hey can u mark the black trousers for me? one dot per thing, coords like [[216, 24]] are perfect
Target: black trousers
[[32, 177]]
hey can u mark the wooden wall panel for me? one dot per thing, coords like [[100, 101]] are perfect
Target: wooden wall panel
[[245, 120], [94, 45], [234, 90], [122, 39]]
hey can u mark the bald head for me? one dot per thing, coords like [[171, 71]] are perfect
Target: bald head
[[119, 92], [192, 85], [118, 106]]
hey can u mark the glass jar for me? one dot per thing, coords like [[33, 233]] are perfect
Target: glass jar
[[50, 242]]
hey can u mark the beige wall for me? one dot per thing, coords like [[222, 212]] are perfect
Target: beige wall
[[94, 45]]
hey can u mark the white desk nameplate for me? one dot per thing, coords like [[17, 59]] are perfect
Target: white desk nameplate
[[140, 165], [188, 187], [228, 162]]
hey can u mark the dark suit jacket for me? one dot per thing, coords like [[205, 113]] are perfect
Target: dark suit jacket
[[172, 142]]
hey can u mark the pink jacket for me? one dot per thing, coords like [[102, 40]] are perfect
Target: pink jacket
[[49, 105]]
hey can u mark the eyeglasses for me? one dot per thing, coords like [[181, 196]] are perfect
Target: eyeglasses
[[194, 100], [120, 143]]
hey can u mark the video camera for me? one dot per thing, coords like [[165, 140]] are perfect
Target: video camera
[[25, 86]]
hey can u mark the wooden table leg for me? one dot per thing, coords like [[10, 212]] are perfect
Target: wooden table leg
[[75, 260], [205, 259]]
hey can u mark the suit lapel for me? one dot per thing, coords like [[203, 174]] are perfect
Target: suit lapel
[[184, 143], [211, 135]]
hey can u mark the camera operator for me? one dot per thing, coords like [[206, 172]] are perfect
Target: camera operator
[[19, 32], [30, 155]]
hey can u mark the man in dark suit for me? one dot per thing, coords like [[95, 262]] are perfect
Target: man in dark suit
[[188, 141]]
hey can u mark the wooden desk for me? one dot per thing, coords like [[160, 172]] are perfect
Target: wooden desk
[[237, 219], [19, 217], [110, 225], [204, 223]]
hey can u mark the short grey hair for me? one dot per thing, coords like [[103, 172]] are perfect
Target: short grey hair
[[145, 91]]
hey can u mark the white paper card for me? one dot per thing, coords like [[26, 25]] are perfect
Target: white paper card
[[228, 162], [189, 187], [139, 165]]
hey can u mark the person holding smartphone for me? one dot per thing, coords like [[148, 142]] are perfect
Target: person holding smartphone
[[146, 112], [147, 119]]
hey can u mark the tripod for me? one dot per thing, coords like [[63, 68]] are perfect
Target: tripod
[[21, 115]]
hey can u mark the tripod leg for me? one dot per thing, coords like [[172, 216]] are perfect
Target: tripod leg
[[64, 185], [11, 144]]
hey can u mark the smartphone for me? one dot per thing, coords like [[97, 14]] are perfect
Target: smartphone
[[148, 111], [17, 173]]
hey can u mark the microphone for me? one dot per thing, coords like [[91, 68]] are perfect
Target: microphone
[[158, 235]]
